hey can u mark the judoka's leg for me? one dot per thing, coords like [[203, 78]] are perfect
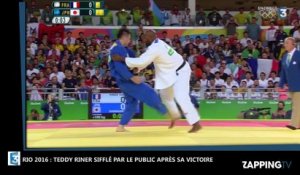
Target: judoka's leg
[[130, 109], [167, 96], [147, 95], [181, 93]]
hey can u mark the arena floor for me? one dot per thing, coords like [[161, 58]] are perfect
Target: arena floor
[[97, 134]]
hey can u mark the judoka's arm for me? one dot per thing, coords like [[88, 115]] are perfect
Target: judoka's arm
[[144, 60]]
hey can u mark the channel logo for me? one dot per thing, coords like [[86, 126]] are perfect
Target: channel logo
[[14, 158]]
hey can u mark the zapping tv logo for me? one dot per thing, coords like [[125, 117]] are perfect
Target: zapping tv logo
[[272, 12], [266, 164]]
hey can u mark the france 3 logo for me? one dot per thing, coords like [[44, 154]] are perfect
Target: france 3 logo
[[271, 13], [14, 158]]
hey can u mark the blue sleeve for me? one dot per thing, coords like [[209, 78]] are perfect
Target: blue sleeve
[[120, 67], [130, 52], [282, 75]]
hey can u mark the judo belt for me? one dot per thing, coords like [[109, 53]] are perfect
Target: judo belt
[[180, 67]]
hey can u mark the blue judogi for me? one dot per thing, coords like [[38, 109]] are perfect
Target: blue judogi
[[132, 92]]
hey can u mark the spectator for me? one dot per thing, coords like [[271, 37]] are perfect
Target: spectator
[[253, 29], [235, 95], [148, 17], [203, 80], [219, 81], [227, 52], [265, 55], [263, 80], [60, 75], [83, 90], [47, 15], [82, 38], [226, 17], [293, 16], [223, 94], [201, 19], [273, 77], [296, 35], [35, 94], [250, 52], [280, 113], [175, 16], [109, 81], [270, 84], [203, 44], [251, 14], [95, 83], [222, 69], [245, 39], [69, 39], [214, 18], [186, 41], [230, 26], [270, 36], [248, 79], [296, 25], [123, 17], [165, 38], [255, 91], [197, 71], [187, 18], [42, 79], [137, 15], [31, 70], [34, 115], [34, 13], [166, 16], [241, 17], [280, 35], [234, 65], [88, 80], [243, 89], [69, 83], [212, 67], [53, 86]]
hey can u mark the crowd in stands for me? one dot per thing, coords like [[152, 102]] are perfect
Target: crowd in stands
[[220, 64]]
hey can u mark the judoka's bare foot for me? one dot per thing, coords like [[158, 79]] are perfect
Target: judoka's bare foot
[[121, 128], [196, 127], [173, 121]]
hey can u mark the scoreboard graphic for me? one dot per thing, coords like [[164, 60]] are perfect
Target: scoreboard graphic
[[64, 10], [109, 104]]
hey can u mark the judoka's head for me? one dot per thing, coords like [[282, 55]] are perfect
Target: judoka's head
[[124, 36], [148, 37]]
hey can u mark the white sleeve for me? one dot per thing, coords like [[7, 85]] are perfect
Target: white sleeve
[[144, 60]]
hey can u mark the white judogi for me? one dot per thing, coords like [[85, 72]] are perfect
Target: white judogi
[[172, 85]]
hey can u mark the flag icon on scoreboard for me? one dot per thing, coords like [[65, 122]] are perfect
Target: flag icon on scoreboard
[[74, 12], [97, 96], [56, 4], [98, 5], [100, 12], [56, 12], [75, 4]]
